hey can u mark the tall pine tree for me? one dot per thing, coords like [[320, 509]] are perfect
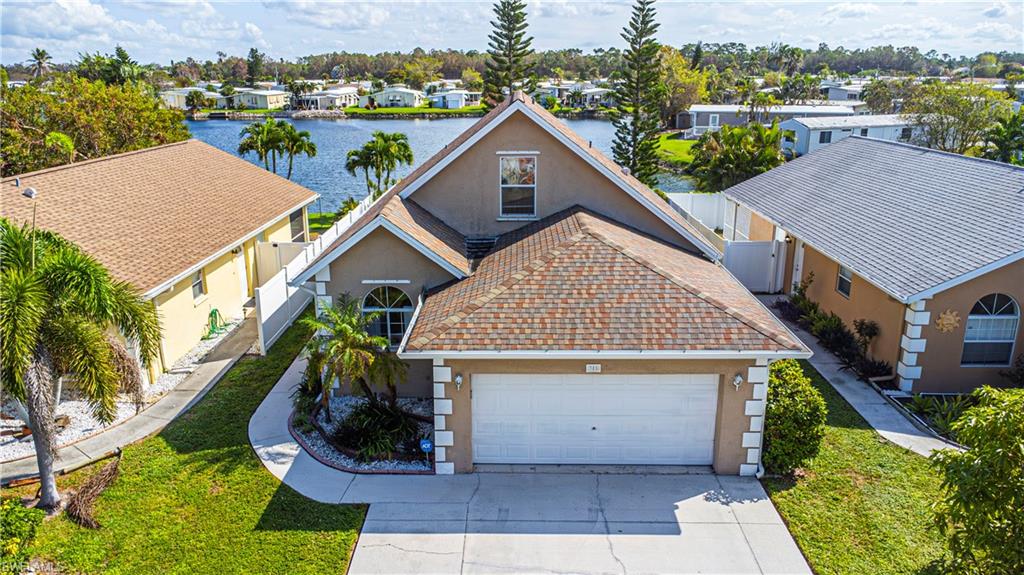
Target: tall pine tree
[[508, 51], [638, 94]]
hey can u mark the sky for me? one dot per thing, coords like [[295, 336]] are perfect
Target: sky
[[165, 30]]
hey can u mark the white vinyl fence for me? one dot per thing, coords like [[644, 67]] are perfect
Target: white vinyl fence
[[708, 209], [758, 265], [277, 302]]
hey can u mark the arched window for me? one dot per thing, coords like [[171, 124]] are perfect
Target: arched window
[[395, 310], [991, 331]]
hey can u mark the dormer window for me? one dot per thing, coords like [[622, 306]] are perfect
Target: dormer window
[[518, 183]]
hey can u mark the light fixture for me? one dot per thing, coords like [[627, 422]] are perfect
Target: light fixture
[[458, 382], [789, 239], [737, 381]]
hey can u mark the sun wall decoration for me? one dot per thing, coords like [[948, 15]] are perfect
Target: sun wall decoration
[[947, 321]]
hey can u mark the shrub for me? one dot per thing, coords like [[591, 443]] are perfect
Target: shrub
[[794, 423], [18, 526], [981, 512], [834, 336], [376, 431]]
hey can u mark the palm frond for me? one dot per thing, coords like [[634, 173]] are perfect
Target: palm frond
[[81, 348], [136, 318], [23, 307]]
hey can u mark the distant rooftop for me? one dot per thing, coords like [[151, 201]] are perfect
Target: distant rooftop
[[862, 121], [785, 109]]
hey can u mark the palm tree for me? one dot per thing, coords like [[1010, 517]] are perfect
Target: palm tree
[[357, 160], [1004, 141], [263, 138], [40, 62], [347, 205], [348, 348], [61, 142], [387, 370], [58, 307], [295, 142], [391, 150]]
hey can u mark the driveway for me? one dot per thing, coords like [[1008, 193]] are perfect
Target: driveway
[[553, 523], [536, 522]]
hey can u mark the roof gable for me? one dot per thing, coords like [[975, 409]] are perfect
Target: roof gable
[[563, 134]]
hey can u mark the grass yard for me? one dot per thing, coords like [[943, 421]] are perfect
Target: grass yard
[[467, 111], [864, 505], [675, 150], [195, 498], [320, 221]]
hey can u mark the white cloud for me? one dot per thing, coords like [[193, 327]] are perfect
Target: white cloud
[[997, 10], [61, 20], [342, 17], [995, 30], [568, 9], [849, 10]]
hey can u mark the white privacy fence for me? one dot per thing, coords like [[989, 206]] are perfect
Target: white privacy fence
[[277, 302], [709, 209], [758, 265]]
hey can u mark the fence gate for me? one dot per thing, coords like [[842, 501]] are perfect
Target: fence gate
[[758, 265]]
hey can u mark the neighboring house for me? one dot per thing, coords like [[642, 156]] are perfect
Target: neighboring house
[[846, 92], [393, 97], [264, 99], [183, 223], [455, 99], [816, 132], [596, 97], [702, 118], [331, 98], [177, 98], [926, 243], [556, 309]]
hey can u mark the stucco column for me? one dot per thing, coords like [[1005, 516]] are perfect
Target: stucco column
[[753, 438], [443, 438], [912, 344]]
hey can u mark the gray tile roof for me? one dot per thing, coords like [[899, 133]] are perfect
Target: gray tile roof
[[860, 121], [905, 218]]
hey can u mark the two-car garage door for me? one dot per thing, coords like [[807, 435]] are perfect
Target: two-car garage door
[[594, 419]]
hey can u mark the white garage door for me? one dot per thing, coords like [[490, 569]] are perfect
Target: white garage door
[[594, 419]]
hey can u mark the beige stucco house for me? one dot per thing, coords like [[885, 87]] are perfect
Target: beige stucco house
[[556, 309], [180, 222], [926, 243]]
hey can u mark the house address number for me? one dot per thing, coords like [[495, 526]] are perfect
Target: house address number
[[593, 368]]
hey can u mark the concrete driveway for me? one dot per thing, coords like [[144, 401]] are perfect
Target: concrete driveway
[[562, 523]]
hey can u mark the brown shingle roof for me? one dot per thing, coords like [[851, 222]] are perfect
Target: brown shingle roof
[[429, 230], [580, 281], [152, 214]]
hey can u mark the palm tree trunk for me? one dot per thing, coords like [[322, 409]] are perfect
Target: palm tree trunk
[[290, 157], [273, 155], [39, 395]]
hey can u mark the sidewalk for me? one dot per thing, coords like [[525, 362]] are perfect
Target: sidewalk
[[151, 420], [886, 419]]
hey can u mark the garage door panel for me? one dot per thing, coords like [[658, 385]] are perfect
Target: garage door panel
[[594, 419]]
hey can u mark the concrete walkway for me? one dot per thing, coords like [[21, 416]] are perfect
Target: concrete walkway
[[886, 419], [537, 522], [151, 420]]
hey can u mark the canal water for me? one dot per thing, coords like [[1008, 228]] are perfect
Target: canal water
[[326, 175]]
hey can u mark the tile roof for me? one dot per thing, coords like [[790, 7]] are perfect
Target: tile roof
[[429, 230], [907, 219], [151, 215], [577, 280]]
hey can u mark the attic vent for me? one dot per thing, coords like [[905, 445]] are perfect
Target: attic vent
[[479, 247]]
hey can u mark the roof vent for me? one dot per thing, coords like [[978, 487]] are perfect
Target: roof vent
[[625, 170], [478, 247]]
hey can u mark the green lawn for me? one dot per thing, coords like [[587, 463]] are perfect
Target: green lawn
[[863, 506], [320, 221], [468, 110], [675, 150], [195, 498]]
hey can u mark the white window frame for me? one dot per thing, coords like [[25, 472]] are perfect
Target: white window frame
[[199, 278], [990, 317], [410, 309], [302, 220], [713, 121], [502, 216], [840, 277]]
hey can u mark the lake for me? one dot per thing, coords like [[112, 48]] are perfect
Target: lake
[[326, 175]]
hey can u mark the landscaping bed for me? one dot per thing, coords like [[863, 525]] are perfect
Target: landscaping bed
[[863, 504], [323, 442], [81, 423], [197, 499]]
